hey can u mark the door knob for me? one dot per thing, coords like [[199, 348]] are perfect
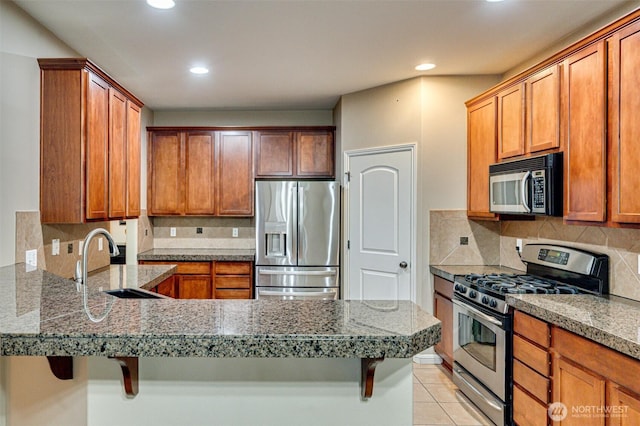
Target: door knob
[[403, 264]]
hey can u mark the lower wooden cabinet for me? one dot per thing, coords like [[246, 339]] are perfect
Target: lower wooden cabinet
[[443, 310], [207, 280]]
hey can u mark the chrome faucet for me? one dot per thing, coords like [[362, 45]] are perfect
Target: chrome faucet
[[81, 271]]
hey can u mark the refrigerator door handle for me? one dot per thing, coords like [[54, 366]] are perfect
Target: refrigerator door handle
[[272, 272]]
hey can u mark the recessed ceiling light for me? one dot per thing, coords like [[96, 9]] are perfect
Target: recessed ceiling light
[[161, 4], [494, 1], [425, 67], [199, 70]]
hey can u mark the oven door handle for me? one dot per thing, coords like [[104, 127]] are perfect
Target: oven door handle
[[461, 375], [473, 311]]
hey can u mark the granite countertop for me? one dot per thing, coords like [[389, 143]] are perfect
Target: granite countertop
[[198, 255], [449, 271], [611, 321], [43, 314]]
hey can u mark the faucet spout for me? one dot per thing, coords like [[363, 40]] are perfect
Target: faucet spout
[[81, 272]]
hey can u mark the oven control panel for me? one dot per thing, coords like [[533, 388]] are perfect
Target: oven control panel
[[483, 299], [553, 256]]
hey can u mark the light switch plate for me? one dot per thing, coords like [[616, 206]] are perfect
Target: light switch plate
[[31, 259], [80, 247], [172, 231], [100, 244], [234, 232], [55, 247]]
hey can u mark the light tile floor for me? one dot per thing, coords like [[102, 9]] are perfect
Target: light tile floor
[[437, 401]]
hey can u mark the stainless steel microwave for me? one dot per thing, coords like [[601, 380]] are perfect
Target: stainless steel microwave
[[531, 186]]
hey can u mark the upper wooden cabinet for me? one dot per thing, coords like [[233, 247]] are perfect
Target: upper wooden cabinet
[[481, 152], [200, 173], [88, 144], [511, 121], [543, 110], [584, 120], [624, 130], [295, 153]]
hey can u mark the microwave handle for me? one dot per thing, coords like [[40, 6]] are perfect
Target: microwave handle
[[523, 191]]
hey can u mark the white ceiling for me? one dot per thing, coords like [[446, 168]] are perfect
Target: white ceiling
[[302, 54]]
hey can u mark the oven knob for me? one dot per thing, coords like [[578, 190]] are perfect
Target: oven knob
[[493, 303], [472, 294], [457, 287], [485, 299]]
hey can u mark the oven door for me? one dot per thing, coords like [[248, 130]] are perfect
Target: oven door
[[509, 192], [480, 346]]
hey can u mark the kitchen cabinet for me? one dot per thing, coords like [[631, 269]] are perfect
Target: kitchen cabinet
[[624, 108], [200, 172], [443, 310], [481, 152], [583, 130], [235, 174], [543, 110], [133, 160], [590, 376], [511, 121], [233, 280], [531, 370], [295, 153], [86, 134], [167, 287]]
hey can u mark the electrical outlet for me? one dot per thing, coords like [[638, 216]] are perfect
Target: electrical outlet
[[172, 231], [234, 232], [80, 247], [100, 244], [519, 244], [198, 230], [31, 259], [55, 247], [69, 248], [639, 264]]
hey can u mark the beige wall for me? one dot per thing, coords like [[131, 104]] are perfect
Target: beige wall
[[22, 40], [430, 112]]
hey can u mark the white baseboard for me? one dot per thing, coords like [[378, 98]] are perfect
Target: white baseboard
[[427, 358]]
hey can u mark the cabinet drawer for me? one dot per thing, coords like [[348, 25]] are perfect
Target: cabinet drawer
[[232, 282], [232, 268], [527, 411], [442, 286], [233, 294], [531, 355], [532, 328], [196, 268], [530, 380]]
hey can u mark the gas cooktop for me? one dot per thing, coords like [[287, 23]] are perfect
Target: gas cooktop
[[551, 269]]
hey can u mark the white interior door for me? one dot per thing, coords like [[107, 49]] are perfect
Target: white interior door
[[380, 221]]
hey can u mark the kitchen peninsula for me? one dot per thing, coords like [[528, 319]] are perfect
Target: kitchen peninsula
[[227, 362]]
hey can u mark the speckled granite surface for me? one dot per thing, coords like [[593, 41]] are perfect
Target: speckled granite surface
[[449, 271], [42, 314], [611, 321], [198, 255]]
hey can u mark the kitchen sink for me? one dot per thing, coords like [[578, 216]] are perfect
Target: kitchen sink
[[133, 293]]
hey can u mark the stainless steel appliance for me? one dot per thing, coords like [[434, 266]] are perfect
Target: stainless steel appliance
[[297, 239], [529, 186], [482, 329]]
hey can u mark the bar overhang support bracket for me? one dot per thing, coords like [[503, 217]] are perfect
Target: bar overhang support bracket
[[367, 372]]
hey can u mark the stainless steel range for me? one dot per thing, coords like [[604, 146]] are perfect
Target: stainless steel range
[[482, 327]]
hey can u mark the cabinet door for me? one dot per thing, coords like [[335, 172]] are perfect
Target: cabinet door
[[481, 152], [166, 174], [274, 154], [314, 154], [511, 122], [583, 125], [117, 154], [97, 148], [133, 160], [194, 287], [200, 173], [235, 174], [623, 405], [578, 388], [167, 287], [543, 110], [443, 310], [624, 63]]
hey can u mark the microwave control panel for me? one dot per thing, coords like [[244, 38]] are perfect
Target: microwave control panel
[[538, 192]]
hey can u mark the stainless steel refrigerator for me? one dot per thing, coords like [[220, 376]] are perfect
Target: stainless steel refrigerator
[[297, 239]]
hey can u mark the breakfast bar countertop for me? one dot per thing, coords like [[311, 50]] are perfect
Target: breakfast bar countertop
[[44, 315], [197, 255]]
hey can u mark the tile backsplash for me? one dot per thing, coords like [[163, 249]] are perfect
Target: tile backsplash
[[493, 243], [216, 232]]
